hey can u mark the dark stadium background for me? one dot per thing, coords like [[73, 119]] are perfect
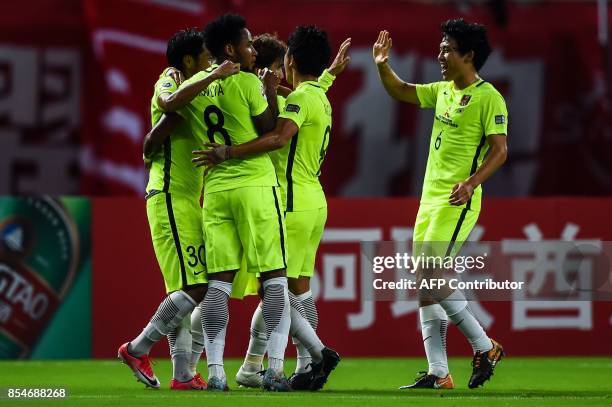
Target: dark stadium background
[[76, 79]]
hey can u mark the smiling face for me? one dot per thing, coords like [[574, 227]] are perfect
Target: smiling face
[[453, 65]]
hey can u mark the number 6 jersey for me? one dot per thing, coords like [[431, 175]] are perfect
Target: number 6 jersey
[[463, 119]]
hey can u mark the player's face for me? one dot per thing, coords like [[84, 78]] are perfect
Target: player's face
[[277, 67], [452, 64], [203, 61], [245, 53], [288, 62]]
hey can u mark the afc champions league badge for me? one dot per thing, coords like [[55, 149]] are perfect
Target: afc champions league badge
[[39, 249]]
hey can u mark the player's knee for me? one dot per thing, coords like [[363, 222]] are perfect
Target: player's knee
[[196, 291], [299, 285], [273, 274]]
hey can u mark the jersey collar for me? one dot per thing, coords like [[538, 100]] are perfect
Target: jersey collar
[[311, 83], [478, 82]]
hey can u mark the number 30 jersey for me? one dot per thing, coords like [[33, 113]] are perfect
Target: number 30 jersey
[[308, 107], [222, 113], [463, 119]]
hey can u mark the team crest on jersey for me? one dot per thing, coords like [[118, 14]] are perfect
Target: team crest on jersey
[[465, 100], [500, 119], [292, 108]]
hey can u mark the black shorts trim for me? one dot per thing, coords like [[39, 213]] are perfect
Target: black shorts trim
[[175, 237], [289, 173], [280, 226], [167, 164], [456, 231]]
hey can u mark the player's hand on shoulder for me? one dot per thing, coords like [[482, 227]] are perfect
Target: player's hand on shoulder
[[380, 50], [341, 61], [227, 68], [176, 75], [461, 193]]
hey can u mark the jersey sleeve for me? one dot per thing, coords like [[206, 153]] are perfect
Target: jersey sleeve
[[253, 90], [165, 84], [296, 108], [494, 115], [428, 94], [326, 80], [281, 101], [185, 111]]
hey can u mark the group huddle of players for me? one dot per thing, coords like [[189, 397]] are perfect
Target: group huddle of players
[[227, 134]]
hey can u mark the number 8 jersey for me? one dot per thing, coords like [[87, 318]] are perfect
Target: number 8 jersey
[[222, 113]]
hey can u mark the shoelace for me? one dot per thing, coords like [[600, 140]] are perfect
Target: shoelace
[[476, 360], [421, 377]]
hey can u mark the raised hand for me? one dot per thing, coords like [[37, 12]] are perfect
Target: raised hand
[[269, 78], [341, 60], [381, 48], [227, 68]]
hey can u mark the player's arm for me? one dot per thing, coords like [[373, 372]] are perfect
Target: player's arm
[[266, 121], [170, 102], [155, 139], [283, 91], [283, 132], [337, 66], [498, 152], [395, 87]]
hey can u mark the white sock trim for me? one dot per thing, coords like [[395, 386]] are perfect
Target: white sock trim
[[432, 312], [221, 286], [173, 295], [304, 296], [454, 303], [274, 281]]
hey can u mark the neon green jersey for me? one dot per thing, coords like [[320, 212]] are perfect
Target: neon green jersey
[[171, 169], [223, 114], [299, 162], [463, 120]]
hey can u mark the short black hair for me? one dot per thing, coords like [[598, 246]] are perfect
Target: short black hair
[[224, 30], [469, 37], [310, 49], [184, 42], [269, 49]]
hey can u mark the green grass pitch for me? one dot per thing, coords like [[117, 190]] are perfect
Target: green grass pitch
[[356, 382]]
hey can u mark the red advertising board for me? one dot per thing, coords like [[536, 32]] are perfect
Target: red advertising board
[[127, 285]]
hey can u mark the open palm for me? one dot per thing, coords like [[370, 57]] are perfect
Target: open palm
[[381, 48]]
